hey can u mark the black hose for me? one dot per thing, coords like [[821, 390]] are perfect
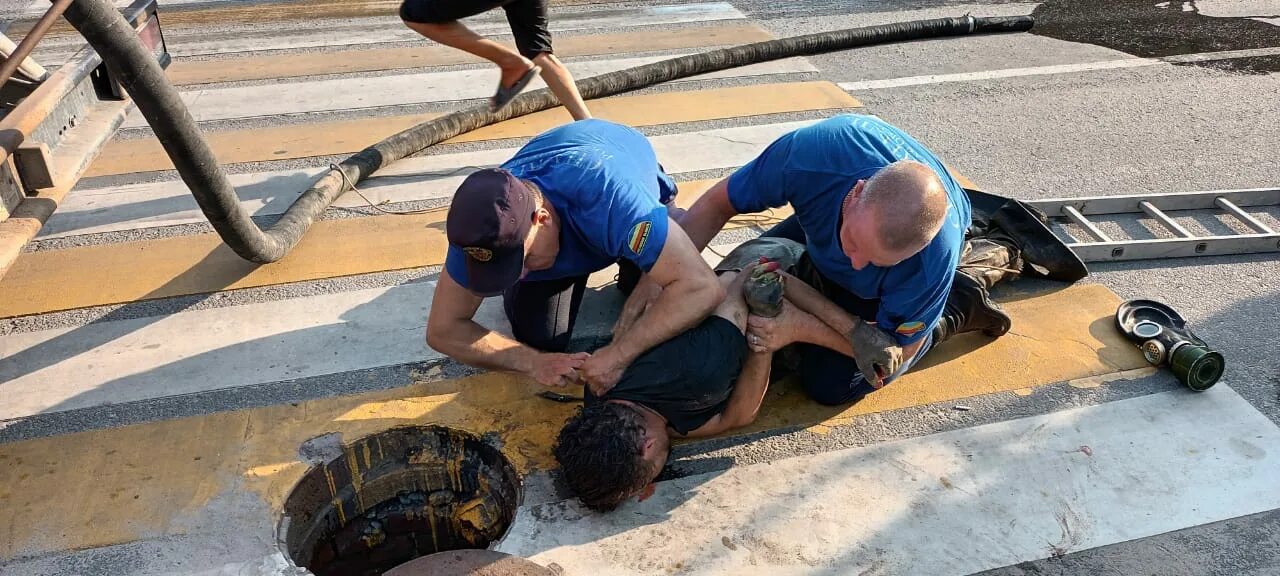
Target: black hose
[[137, 70]]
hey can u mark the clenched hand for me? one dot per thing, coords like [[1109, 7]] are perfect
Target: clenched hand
[[603, 370], [558, 370]]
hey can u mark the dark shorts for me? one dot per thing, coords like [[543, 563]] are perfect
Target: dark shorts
[[830, 377], [528, 18]]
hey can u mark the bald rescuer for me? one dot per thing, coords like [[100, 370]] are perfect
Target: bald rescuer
[[885, 227], [572, 201]]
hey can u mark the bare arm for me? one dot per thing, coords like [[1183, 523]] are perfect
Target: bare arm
[[452, 330], [839, 322], [708, 215], [744, 402], [689, 293], [645, 292], [701, 223]]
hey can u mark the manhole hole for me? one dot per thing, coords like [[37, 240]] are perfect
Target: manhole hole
[[397, 495]]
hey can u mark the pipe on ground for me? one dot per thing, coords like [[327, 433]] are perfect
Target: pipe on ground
[[137, 70]]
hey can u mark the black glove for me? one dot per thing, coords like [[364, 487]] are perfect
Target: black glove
[[877, 354]]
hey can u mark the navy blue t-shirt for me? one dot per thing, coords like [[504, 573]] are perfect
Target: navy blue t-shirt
[[813, 169], [605, 184]]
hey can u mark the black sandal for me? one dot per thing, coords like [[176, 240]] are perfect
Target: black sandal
[[504, 96]]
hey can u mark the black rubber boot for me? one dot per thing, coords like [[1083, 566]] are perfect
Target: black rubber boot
[[1021, 225], [969, 309]]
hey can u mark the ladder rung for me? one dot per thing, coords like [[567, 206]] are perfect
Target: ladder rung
[[1243, 216], [1163, 218], [1079, 218]]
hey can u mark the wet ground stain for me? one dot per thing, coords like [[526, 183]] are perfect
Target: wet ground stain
[[1151, 29]]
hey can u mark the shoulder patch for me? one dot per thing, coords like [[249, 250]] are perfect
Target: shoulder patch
[[639, 236], [910, 328]]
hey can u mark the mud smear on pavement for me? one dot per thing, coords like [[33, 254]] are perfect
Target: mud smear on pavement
[[1150, 29]]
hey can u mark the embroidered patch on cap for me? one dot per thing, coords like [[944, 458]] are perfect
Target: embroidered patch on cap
[[639, 236], [910, 328], [480, 254]]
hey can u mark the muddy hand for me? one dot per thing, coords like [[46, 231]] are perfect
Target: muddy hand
[[763, 289], [767, 335]]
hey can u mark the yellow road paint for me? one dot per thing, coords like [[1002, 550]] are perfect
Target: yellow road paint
[[156, 479], [1064, 336], [330, 138], [53, 280], [187, 72]]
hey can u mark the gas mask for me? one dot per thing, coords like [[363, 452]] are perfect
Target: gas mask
[[1162, 335]]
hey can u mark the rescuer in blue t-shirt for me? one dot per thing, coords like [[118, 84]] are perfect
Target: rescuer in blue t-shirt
[[574, 200], [884, 227]]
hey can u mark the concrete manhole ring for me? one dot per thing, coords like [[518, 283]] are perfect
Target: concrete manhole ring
[[397, 495]]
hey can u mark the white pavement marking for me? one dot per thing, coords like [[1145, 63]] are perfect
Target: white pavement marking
[[951, 503], [112, 362], [1260, 10], [136, 359], [195, 42], [1055, 69], [355, 93], [168, 203], [391, 29]]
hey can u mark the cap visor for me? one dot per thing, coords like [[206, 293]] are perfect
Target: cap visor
[[495, 276]]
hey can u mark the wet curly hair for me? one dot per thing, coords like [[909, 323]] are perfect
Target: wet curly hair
[[600, 451]]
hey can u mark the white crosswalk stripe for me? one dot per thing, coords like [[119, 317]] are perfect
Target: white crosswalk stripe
[[169, 202], [287, 98], [389, 29]]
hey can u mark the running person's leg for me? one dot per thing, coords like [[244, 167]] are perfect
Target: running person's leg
[[438, 21], [528, 20]]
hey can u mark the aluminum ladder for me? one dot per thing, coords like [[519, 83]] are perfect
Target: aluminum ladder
[[1102, 248]]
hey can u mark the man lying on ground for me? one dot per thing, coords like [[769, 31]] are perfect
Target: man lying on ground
[[702, 382]]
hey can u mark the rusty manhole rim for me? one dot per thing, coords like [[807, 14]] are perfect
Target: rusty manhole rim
[[282, 525]]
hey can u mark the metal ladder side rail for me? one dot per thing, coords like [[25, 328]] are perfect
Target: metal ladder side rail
[[1103, 248]]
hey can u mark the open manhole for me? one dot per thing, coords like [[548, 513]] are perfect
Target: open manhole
[[397, 495]]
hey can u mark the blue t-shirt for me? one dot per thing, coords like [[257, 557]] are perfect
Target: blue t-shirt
[[604, 181], [813, 169]]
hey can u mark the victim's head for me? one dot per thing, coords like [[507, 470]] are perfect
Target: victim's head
[[611, 451]]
